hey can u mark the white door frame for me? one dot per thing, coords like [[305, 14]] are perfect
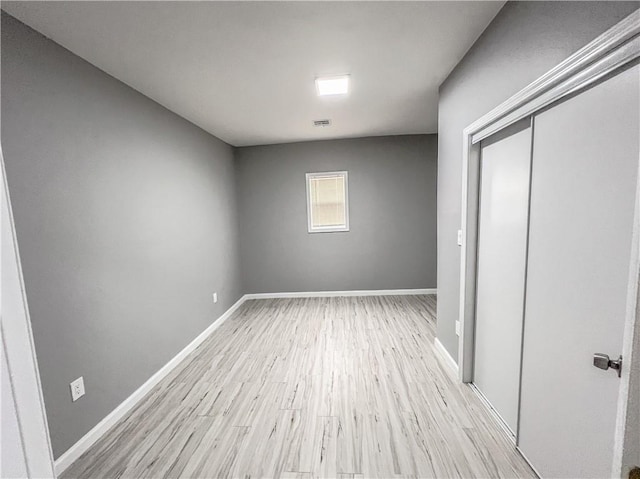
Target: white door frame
[[611, 51], [17, 341]]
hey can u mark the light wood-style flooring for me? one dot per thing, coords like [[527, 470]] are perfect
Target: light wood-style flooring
[[344, 388]]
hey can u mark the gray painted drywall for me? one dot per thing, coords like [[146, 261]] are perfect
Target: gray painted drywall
[[125, 219], [525, 40], [392, 206]]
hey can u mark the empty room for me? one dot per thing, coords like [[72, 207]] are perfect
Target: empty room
[[320, 239]]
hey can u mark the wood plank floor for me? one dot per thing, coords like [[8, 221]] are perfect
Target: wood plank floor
[[310, 387]]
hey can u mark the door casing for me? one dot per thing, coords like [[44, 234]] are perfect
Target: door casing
[[17, 344]]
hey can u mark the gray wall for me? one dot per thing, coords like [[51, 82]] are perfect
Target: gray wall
[[525, 40], [125, 217], [392, 214]]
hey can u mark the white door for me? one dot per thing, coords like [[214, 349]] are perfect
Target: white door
[[504, 205], [585, 161]]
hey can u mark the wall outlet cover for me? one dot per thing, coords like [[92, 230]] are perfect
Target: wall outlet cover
[[77, 389], [458, 328], [215, 297]]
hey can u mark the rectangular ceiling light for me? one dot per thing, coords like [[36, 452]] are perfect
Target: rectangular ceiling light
[[337, 85]]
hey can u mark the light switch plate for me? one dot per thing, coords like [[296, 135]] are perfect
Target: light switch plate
[[458, 328], [459, 237], [77, 389], [215, 297]]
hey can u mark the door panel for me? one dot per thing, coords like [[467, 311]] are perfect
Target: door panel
[[585, 161], [504, 204]]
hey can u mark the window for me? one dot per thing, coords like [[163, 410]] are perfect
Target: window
[[327, 202]]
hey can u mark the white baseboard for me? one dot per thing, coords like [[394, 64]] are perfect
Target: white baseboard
[[80, 447], [327, 294], [446, 357]]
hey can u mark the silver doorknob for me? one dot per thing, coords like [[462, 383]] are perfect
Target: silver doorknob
[[602, 361]]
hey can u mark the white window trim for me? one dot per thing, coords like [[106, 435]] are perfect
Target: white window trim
[[328, 229]]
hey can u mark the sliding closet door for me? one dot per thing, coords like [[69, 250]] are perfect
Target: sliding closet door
[[504, 203], [585, 162]]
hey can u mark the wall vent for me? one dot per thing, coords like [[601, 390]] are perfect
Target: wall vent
[[321, 122]]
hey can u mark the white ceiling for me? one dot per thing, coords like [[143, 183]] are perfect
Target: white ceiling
[[244, 71]]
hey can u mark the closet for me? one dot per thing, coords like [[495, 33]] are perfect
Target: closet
[[556, 205]]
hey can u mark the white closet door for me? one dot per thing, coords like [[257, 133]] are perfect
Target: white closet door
[[585, 162], [504, 204]]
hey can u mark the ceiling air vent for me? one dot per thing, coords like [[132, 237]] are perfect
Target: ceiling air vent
[[321, 122]]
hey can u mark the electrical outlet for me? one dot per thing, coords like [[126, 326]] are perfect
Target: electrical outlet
[[458, 328], [215, 297], [77, 389], [459, 237]]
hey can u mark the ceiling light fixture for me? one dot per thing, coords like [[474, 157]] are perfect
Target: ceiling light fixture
[[335, 85]]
